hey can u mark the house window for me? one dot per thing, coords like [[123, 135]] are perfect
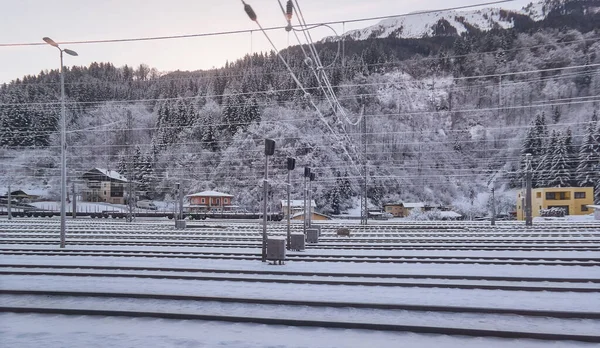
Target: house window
[[538, 195], [583, 206], [105, 193], [550, 195], [579, 195], [202, 201]]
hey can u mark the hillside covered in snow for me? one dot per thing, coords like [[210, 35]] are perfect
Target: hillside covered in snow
[[446, 116]]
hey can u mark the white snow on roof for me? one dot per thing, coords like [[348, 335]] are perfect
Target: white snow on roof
[[449, 214], [297, 203], [595, 206], [209, 194], [112, 174], [414, 205], [301, 213]]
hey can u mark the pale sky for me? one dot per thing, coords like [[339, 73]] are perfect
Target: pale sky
[[27, 21]]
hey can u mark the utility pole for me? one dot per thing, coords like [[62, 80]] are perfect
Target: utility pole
[[365, 205], [269, 151], [63, 141], [180, 188], [493, 208], [176, 212], [74, 201], [130, 176], [306, 175], [312, 178], [9, 199], [291, 164], [528, 217]]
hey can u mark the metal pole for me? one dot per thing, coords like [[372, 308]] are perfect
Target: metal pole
[[528, 217], [63, 155], [365, 217], [9, 199], [289, 232], [74, 202], [304, 212], [310, 203], [181, 202], [265, 193], [493, 208]]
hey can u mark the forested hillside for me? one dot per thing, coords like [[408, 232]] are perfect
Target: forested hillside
[[446, 117]]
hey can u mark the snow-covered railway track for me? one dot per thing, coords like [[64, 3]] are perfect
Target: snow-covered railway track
[[312, 274], [347, 246], [449, 320], [304, 257], [541, 285], [373, 240]]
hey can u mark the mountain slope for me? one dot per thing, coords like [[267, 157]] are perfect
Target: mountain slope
[[449, 23]]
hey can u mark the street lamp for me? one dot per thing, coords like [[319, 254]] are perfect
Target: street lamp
[[63, 140]]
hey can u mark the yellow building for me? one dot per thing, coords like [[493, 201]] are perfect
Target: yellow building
[[573, 200]]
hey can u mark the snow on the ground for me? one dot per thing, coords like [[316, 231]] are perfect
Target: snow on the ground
[[543, 300], [58, 331], [347, 314], [324, 267], [316, 251]]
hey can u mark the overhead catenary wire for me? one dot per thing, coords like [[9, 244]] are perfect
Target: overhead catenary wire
[[254, 18], [230, 32], [210, 73], [303, 89]]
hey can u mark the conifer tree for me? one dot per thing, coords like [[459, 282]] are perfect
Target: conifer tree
[[560, 175], [584, 174]]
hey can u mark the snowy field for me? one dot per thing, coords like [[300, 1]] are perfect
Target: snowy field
[[500, 281]]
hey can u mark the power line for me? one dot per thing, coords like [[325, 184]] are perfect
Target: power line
[[231, 32]]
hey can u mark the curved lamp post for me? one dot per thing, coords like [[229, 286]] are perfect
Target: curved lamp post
[[63, 140]]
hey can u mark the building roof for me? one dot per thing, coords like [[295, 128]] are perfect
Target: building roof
[[301, 213], [414, 205], [297, 203], [393, 203], [449, 214], [209, 194], [111, 174]]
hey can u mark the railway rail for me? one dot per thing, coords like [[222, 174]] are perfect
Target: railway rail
[[137, 302]]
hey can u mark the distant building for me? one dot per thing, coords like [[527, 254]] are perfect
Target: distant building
[[20, 196], [103, 185], [208, 200], [296, 205], [402, 209], [315, 216], [573, 200]]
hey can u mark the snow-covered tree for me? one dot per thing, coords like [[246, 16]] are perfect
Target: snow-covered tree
[[560, 175], [586, 175]]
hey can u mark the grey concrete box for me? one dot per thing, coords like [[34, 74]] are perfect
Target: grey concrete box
[[180, 224], [312, 235], [297, 241], [317, 227], [276, 249]]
